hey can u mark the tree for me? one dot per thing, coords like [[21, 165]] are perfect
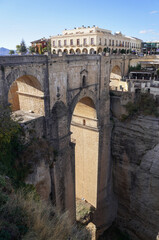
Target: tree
[[18, 48], [21, 48], [31, 49], [49, 46], [11, 52], [10, 143]]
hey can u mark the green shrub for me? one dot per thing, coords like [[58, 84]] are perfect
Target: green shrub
[[135, 68], [144, 104], [11, 147], [23, 217]]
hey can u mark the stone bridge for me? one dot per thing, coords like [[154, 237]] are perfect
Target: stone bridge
[[72, 93]]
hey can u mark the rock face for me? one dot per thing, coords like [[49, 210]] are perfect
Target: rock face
[[135, 152], [38, 157]]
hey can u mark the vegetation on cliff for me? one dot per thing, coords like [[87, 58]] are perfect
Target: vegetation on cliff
[[144, 104], [135, 68], [23, 215], [11, 146]]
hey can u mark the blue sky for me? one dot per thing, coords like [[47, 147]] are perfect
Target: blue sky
[[34, 19]]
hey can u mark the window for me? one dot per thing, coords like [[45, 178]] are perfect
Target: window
[[105, 42], [78, 42], [71, 42], [92, 41], [84, 41], [84, 81], [120, 43], [128, 44], [100, 41], [65, 42], [112, 42], [59, 43], [109, 42], [123, 44], [116, 42], [53, 43]]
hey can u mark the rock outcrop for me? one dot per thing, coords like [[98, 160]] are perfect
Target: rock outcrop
[[135, 153], [39, 158]]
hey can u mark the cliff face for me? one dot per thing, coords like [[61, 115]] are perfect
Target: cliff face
[[135, 153]]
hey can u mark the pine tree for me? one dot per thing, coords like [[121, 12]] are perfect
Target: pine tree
[[22, 47]]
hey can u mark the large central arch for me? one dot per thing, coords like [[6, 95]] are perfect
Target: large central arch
[[85, 135]]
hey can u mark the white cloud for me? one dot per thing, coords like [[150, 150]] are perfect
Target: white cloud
[[146, 31], [154, 12]]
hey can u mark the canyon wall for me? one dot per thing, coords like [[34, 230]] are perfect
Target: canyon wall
[[135, 154]]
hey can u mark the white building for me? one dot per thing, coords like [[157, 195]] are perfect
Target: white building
[[93, 40]]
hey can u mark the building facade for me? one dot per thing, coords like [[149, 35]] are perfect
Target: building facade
[[93, 40], [40, 45], [150, 47]]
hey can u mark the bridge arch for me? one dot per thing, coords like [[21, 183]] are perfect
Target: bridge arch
[[115, 77], [26, 94], [84, 126], [83, 93]]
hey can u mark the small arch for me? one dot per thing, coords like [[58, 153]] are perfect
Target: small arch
[[54, 51], [99, 50], [72, 51], [78, 51], [85, 51], [65, 51], [115, 78], [92, 51], [59, 51]]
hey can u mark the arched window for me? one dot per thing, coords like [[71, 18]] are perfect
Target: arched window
[[84, 81]]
